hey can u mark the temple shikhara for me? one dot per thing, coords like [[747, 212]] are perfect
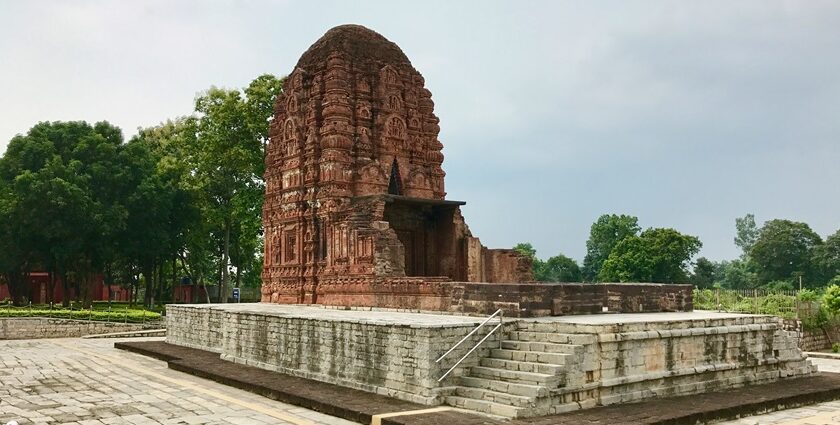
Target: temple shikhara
[[355, 211]]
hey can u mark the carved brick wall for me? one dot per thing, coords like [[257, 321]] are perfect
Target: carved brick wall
[[354, 183]]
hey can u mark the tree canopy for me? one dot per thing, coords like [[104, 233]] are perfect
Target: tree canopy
[[656, 255], [183, 198], [604, 235]]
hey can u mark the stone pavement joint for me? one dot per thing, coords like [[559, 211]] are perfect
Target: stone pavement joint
[[360, 406], [79, 381]]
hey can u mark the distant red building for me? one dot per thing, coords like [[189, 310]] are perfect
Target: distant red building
[[38, 284]]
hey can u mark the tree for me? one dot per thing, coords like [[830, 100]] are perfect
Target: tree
[[746, 233], [228, 162], [706, 273], [526, 249], [604, 235], [827, 256], [656, 255], [559, 268], [784, 249], [738, 274], [63, 180]]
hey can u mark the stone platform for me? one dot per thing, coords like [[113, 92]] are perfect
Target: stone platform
[[536, 366]]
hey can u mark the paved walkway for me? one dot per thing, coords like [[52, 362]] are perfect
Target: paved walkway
[[87, 382], [818, 414]]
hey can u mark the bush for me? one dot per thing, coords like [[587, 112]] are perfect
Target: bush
[[102, 316], [808, 295], [831, 299], [835, 348]]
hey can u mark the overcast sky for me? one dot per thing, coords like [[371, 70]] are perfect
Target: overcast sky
[[685, 114]]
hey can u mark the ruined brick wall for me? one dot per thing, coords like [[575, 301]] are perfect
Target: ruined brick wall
[[544, 299], [506, 266]]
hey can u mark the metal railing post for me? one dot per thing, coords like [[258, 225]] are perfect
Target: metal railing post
[[501, 321], [30, 308]]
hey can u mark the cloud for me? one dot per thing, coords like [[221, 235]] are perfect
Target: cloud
[[552, 113]]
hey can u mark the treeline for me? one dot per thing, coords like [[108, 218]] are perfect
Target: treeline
[[619, 251], [778, 255], [182, 199]]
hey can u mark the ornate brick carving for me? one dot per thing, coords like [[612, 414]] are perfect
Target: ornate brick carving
[[354, 209]]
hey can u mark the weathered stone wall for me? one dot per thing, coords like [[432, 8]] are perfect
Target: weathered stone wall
[[393, 360], [813, 339], [41, 327], [558, 299], [622, 363], [194, 327]]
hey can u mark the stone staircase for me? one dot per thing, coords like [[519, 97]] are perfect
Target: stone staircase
[[520, 378]]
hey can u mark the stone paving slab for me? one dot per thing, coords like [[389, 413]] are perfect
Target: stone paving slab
[[76, 381], [361, 406]]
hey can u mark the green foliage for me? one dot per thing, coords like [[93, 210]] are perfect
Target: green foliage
[[738, 274], [117, 315], [604, 235], [181, 198], [777, 304], [559, 268], [783, 249], [746, 233], [779, 285], [827, 256], [807, 295], [835, 348], [526, 249], [706, 273], [831, 299], [656, 255]]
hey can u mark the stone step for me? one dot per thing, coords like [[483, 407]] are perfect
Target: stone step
[[530, 356], [512, 388], [556, 338], [548, 369], [547, 347], [516, 377], [495, 396], [484, 406]]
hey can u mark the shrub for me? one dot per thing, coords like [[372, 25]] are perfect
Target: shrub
[[113, 316], [807, 295], [835, 348], [831, 299]]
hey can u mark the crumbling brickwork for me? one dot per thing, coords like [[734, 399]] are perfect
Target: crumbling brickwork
[[355, 210]]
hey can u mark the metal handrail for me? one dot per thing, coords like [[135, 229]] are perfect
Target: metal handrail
[[501, 322]]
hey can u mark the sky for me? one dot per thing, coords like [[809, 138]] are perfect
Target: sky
[[684, 114]]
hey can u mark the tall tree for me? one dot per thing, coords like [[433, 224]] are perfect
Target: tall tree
[[656, 255], [705, 273], [746, 233], [604, 235], [784, 249], [559, 268], [827, 257], [228, 161]]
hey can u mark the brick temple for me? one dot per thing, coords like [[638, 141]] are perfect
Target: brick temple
[[355, 210], [355, 207]]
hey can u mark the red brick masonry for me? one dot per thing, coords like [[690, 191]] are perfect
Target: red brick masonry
[[516, 299]]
